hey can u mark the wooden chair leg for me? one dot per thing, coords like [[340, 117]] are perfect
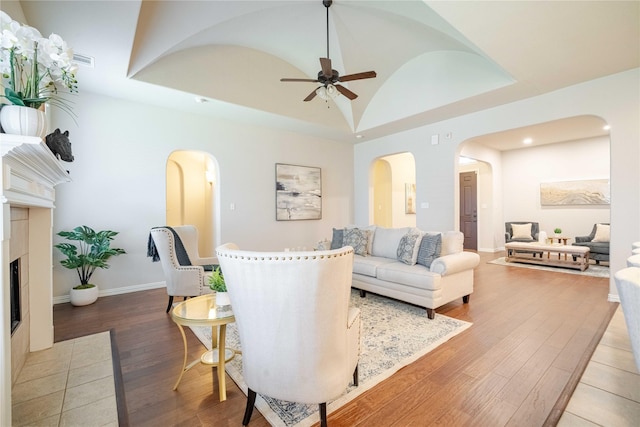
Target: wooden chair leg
[[170, 302], [251, 401], [355, 377], [323, 414], [465, 299], [431, 313]]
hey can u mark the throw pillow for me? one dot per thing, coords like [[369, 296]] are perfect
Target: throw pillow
[[371, 229], [337, 241], [521, 231], [408, 247], [603, 233], [429, 249], [357, 239]]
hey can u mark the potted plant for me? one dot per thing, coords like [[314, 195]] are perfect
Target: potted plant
[[557, 231], [92, 252], [36, 70], [217, 284]]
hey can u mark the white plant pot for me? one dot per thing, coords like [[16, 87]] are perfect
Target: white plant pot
[[26, 121], [222, 299], [80, 297]]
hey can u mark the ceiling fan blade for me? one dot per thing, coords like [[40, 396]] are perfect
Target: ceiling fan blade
[[325, 63], [299, 80], [311, 95], [357, 76], [346, 92]]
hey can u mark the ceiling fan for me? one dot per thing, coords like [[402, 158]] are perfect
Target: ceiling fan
[[329, 77]]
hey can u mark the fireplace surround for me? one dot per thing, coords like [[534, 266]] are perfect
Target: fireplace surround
[[29, 174]]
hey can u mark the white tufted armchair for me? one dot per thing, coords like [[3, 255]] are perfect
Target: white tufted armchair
[[187, 278], [300, 339]]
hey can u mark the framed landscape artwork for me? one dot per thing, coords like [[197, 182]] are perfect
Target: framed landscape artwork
[[298, 192], [568, 193]]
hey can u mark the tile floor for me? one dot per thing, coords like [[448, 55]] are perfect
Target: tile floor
[[57, 386], [609, 391], [70, 384]]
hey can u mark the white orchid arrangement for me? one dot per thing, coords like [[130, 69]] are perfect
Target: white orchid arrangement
[[34, 68]]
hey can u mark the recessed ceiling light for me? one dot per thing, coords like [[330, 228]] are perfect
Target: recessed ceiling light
[[358, 136], [527, 141], [200, 99], [606, 127]]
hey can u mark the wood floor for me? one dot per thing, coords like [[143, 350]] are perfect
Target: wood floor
[[533, 332]]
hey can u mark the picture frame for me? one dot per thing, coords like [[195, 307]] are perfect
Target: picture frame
[[575, 193], [298, 192], [410, 198]]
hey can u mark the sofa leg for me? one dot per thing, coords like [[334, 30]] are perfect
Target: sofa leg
[[465, 299], [363, 293], [431, 313]]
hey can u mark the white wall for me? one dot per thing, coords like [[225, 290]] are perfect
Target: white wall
[[121, 149], [616, 99], [525, 169]]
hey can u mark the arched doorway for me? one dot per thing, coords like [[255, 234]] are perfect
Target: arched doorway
[[390, 178], [191, 178]]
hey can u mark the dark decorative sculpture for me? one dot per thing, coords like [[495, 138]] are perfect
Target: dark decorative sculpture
[[60, 145]]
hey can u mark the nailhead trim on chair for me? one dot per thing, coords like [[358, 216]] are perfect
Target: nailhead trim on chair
[[286, 257], [173, 258]]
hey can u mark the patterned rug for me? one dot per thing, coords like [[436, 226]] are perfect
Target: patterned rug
[[593, 270], [395, 334]]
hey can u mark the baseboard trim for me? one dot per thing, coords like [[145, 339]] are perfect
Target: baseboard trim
[[116, 291], [613, 298]]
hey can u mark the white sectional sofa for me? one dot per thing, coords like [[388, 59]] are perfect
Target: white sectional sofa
[[408, 264]]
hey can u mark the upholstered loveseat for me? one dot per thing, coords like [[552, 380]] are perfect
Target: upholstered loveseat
[[428, 269]]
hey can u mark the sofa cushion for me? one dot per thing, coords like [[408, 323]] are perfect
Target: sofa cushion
[[603, 233], [452, 242], [429, 250], [386, 241], [337, 241], [357, 239], [415, 276], [407, 251], [368, 266]]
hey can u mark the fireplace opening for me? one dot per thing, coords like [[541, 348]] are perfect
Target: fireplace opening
[[14, 283]]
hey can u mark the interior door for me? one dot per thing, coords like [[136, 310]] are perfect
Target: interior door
[[469, 209]]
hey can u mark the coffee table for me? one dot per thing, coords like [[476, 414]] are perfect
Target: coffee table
[[519, 252], [202, 311]]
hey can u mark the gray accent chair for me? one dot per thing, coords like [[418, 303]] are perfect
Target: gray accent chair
[[535, 231], [599, 251]]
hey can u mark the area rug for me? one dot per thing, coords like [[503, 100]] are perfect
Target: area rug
[[593, 270], [395, 334]]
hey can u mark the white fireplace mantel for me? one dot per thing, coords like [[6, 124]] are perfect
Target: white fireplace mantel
[[29, 174]]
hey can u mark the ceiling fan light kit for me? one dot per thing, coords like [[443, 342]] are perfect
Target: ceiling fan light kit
[[328, 77]]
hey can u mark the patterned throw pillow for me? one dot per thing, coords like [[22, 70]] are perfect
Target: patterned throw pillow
[[408, 247], [429, 249], [357, 239], [337, 240]]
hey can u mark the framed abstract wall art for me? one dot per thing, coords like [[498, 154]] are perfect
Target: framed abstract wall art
[[298, 192], [570, 193], [409, 198]]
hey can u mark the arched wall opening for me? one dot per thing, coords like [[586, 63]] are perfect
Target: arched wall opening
[[570, 149], [392, 184], [191, 195]]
